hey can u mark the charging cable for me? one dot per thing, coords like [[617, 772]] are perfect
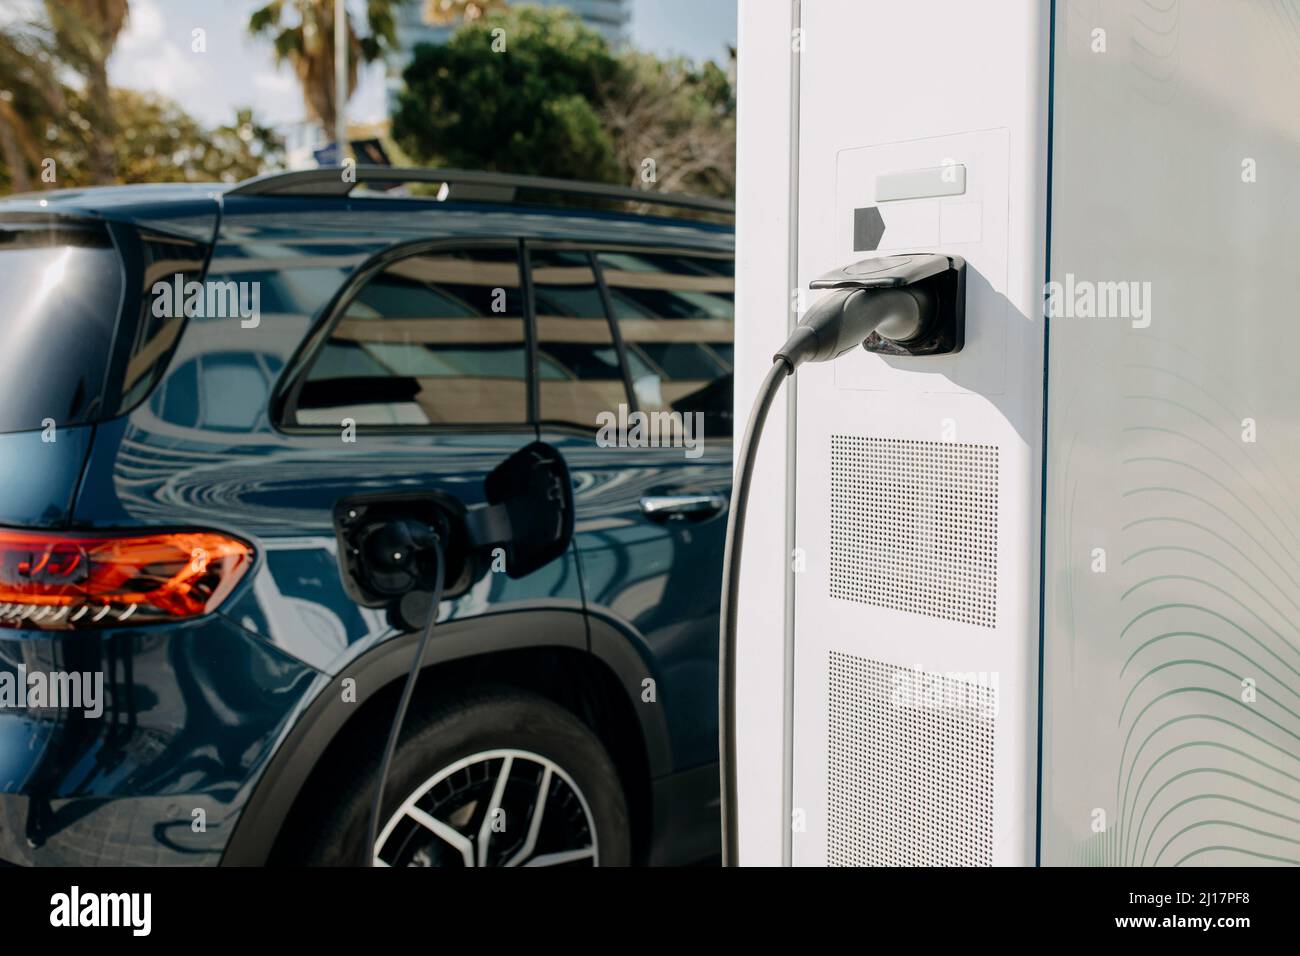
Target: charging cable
[[372, 833], [837, 322]]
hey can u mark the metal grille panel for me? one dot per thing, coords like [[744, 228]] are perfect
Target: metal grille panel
[[914, 526], [910, 779]]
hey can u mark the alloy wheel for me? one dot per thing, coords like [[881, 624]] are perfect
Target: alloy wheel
[[504, 807]]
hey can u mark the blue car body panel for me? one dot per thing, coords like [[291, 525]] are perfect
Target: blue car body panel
[[192, 715], [198, 712]]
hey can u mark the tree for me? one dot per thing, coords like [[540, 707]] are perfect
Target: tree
[[31, 94], [677, 120], [531, 107], [557, 102], [159, 143], [47, 112], [162, 143], [302, 32], [85, 32]]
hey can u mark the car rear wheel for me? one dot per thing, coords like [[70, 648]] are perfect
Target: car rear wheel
[[502, 779]]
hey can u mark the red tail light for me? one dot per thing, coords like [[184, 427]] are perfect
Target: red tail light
[[53, 581]]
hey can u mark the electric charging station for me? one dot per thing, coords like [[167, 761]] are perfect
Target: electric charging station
[[1028, 600]]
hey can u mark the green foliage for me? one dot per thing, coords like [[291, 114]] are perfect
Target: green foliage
[[302, 36], [681, 117], [533, 108], [162, 143], [85, 32], [31, 96], [49, 113], [558, 102]]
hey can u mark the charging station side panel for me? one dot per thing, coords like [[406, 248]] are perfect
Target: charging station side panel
[[764, 198], [917, 495], [1171, 728]]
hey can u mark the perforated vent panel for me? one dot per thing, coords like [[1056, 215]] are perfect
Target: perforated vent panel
[[914, 526], [911, 767]]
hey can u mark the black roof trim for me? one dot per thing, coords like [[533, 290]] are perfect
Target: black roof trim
[[462, 184]]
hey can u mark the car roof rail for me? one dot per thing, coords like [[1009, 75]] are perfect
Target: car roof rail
[[460, 185]]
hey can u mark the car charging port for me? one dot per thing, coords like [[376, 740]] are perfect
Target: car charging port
[[386, 550]]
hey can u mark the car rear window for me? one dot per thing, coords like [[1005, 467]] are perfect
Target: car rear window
[[79, 341], [61, 288]]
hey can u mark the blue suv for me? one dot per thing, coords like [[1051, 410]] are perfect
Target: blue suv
[[196, 382]]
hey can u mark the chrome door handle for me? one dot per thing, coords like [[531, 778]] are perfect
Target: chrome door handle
[[668, 506]]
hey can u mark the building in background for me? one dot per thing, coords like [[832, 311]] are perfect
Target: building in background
[[609, 18]]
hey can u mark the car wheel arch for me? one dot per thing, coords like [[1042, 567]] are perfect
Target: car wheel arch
[[324, 722]]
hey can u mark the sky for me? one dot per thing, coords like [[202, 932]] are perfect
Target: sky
[[154, 54]]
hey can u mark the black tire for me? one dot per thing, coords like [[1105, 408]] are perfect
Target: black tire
[[436, 739]]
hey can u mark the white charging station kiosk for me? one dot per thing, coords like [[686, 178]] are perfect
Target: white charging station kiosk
[[1033, 601]]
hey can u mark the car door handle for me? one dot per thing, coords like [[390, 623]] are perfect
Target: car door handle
[[661, 507]]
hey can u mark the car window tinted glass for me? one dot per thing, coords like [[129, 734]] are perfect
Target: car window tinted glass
[[577, 364], [432, 339], [60, 293], [167, 261], [676, 316]]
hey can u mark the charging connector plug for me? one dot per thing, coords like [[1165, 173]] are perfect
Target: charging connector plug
[[843, 319]]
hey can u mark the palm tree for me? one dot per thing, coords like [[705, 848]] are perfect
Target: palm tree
[[303, 34], [85, 32], [30, 95]]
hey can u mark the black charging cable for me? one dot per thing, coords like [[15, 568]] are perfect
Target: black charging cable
[[395, 731], [836, 323], [746, 456]]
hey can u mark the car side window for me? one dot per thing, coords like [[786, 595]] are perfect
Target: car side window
[[676, 316], [436, 338], [578, 371]]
